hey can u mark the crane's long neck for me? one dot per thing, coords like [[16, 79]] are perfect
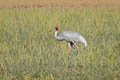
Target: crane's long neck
[[58, 37], [56, 33]]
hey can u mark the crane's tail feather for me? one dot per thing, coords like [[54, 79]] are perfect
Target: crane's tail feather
[[86, 43], [83, 40]]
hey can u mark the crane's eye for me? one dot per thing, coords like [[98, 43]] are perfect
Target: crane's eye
[[56, 28]]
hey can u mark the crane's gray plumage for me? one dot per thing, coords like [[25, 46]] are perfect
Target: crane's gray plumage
[[70, 36]]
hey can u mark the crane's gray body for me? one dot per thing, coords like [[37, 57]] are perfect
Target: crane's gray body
[[71, 36]]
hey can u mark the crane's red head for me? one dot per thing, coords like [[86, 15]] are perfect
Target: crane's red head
[[56, 28]]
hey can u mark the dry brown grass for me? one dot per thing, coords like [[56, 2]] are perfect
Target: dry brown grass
[[59, 3]]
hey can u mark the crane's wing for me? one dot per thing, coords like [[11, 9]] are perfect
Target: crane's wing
[[66, 36], [73, 37]]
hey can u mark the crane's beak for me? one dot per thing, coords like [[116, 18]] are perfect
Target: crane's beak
[[50, 30]]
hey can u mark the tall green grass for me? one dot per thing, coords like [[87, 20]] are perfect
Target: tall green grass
[[28, 51]]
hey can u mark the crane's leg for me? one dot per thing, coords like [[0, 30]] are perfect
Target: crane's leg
[[72, 44], [77, 47], [69, 47]]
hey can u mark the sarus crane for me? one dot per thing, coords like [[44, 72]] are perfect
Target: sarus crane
[[70, 37]]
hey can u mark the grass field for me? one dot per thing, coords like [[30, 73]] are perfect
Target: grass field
[[28, 51], [59, 3]]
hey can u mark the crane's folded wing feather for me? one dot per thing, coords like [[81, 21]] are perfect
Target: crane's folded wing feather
[[73, 37]]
